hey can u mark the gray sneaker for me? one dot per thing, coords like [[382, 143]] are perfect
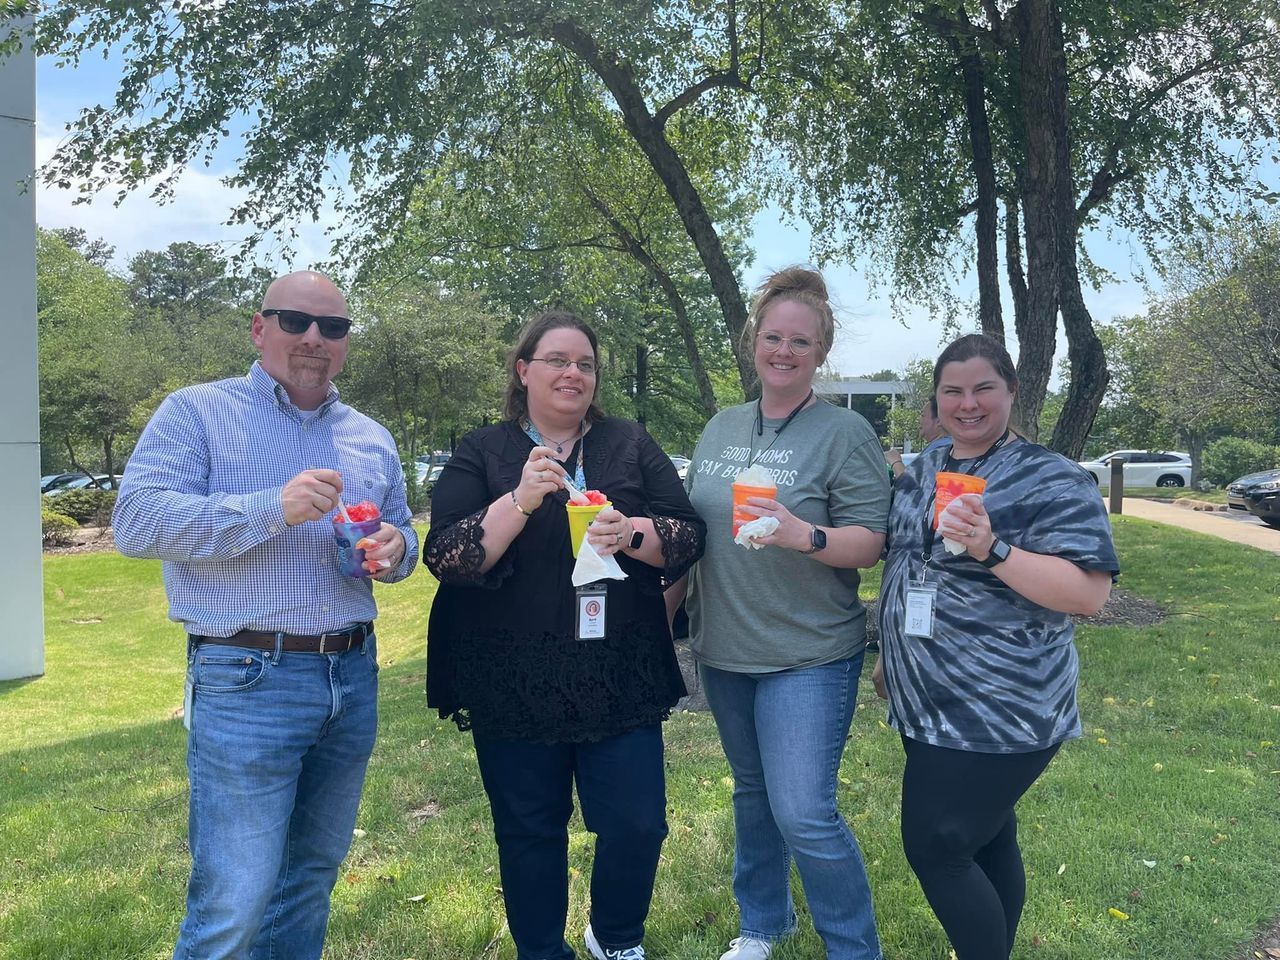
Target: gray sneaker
[[747, 948], [600, 953]]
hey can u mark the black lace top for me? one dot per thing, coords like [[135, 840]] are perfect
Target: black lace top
[[501, 653]]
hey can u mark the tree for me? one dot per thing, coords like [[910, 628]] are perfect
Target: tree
[[92, 371], [392, 87], [1153, 113]]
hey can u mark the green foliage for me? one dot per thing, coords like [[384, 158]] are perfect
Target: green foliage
[[84, 506], [1175, 769], [1232, 457], [56, 528], [904, 419]]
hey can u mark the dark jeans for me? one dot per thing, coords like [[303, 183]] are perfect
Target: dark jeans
[[960, 836], [623, 794]]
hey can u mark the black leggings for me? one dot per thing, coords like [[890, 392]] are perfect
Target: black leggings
[[960, 836]]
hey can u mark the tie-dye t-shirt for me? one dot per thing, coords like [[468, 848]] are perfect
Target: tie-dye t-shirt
[[999, 674]]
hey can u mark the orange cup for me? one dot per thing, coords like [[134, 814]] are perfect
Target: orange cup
[[740, 493], [951, 485], [580, 517]]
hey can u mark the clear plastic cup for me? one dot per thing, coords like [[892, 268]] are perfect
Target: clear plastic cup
[[580, 517], [347, 535], [740, 493], [951, 485]]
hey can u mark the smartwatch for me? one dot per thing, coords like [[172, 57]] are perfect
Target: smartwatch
[[998, 553], [637, 538], [817, 539]]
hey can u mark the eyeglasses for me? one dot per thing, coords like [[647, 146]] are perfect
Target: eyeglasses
[[295, 321], [585, 367], [772, 342]]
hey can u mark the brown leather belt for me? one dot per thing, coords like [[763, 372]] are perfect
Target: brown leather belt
[[339, 642]]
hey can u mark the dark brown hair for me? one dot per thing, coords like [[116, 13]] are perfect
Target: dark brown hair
[[973, 345], [515, 403], [801, 285]]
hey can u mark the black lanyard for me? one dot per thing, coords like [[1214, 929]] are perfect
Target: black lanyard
[[777, 433], [926, 551]]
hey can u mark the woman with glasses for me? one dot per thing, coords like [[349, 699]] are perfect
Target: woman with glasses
[[779, 632], [977, 658], [561, 685]]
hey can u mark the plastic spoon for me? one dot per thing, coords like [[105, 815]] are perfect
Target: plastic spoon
[[576, 495], [342, 509]]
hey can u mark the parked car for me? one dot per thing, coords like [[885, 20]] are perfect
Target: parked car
[[54, 480], [1143, 468], [681, 464], [1259, 493], [428, 475], [99, 481]]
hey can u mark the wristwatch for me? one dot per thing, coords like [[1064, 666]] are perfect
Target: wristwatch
[[817, 539], [637, 538], [998, 553]]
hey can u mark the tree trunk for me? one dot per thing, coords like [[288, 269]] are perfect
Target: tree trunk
[[1089, 374], [1043, 119], [675, 300], [1013, 260], [666, 163], [975, 106], [107, 458], [642, 383]]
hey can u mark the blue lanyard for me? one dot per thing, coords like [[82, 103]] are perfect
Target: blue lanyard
[[579, 478]]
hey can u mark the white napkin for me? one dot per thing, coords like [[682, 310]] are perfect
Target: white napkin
[[759, 527], [592, 567], [951, 546]]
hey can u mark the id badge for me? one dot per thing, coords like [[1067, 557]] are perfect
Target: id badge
[[592, 600], [922, 599]]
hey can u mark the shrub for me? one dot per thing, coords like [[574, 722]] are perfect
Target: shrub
[[1231, 457], [91, 507], [56, 528]]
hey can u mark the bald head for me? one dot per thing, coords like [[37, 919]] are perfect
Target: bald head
[[303, 363], [308, 291]]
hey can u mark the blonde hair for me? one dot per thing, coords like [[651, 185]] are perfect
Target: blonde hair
[[799, 285]]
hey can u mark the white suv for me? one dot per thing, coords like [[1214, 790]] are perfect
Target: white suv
[[1143, 468]]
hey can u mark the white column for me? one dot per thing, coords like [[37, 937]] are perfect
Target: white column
[[21, 582]]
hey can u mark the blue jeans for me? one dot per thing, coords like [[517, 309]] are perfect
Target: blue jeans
[[276, 756], [622, 790], [784, 734]]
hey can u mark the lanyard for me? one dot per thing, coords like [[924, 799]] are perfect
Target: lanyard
[[926, 551], [579, 478], [776, 433]]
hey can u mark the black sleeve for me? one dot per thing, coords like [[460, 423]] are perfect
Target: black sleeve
[[682, 532], [459, 502]]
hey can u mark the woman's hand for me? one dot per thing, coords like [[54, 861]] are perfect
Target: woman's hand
[[540, 476], [965, 521], [792, 533], [877, 678], [610, 531]]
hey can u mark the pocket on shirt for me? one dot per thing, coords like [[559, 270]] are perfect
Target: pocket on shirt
[[222, 669], [364, 485]]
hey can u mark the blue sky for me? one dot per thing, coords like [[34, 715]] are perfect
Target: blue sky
[[870, 338]]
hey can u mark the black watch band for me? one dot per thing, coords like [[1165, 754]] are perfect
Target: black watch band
[[637, 538], [998, 553]]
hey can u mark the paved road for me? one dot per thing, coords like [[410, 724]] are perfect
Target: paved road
[[1228, 525]]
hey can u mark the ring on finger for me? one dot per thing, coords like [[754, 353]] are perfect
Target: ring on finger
[[973, 531]]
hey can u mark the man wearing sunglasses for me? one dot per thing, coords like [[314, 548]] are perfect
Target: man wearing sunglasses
[[234, 485]]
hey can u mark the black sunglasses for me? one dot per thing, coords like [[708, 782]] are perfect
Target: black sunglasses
[[295, 321]]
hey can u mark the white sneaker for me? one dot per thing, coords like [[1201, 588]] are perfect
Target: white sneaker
[[747, 948], [600, 953]]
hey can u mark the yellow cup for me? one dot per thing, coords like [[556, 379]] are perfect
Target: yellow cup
[[740, 493], [580, 517]]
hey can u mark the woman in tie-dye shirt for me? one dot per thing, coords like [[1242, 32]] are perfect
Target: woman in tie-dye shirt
[[977, 658]]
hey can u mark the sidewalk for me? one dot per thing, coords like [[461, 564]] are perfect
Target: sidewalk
[[1214, 524]]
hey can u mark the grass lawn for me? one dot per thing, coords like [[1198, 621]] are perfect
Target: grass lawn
[[1177, 493], [1166, 811]]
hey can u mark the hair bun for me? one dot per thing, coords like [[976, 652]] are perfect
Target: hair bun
[[793, 279]]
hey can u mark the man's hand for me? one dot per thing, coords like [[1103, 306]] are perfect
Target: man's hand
[[383, 550], [310, 495]]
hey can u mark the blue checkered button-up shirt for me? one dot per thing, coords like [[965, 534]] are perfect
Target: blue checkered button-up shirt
[[202, 493]]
